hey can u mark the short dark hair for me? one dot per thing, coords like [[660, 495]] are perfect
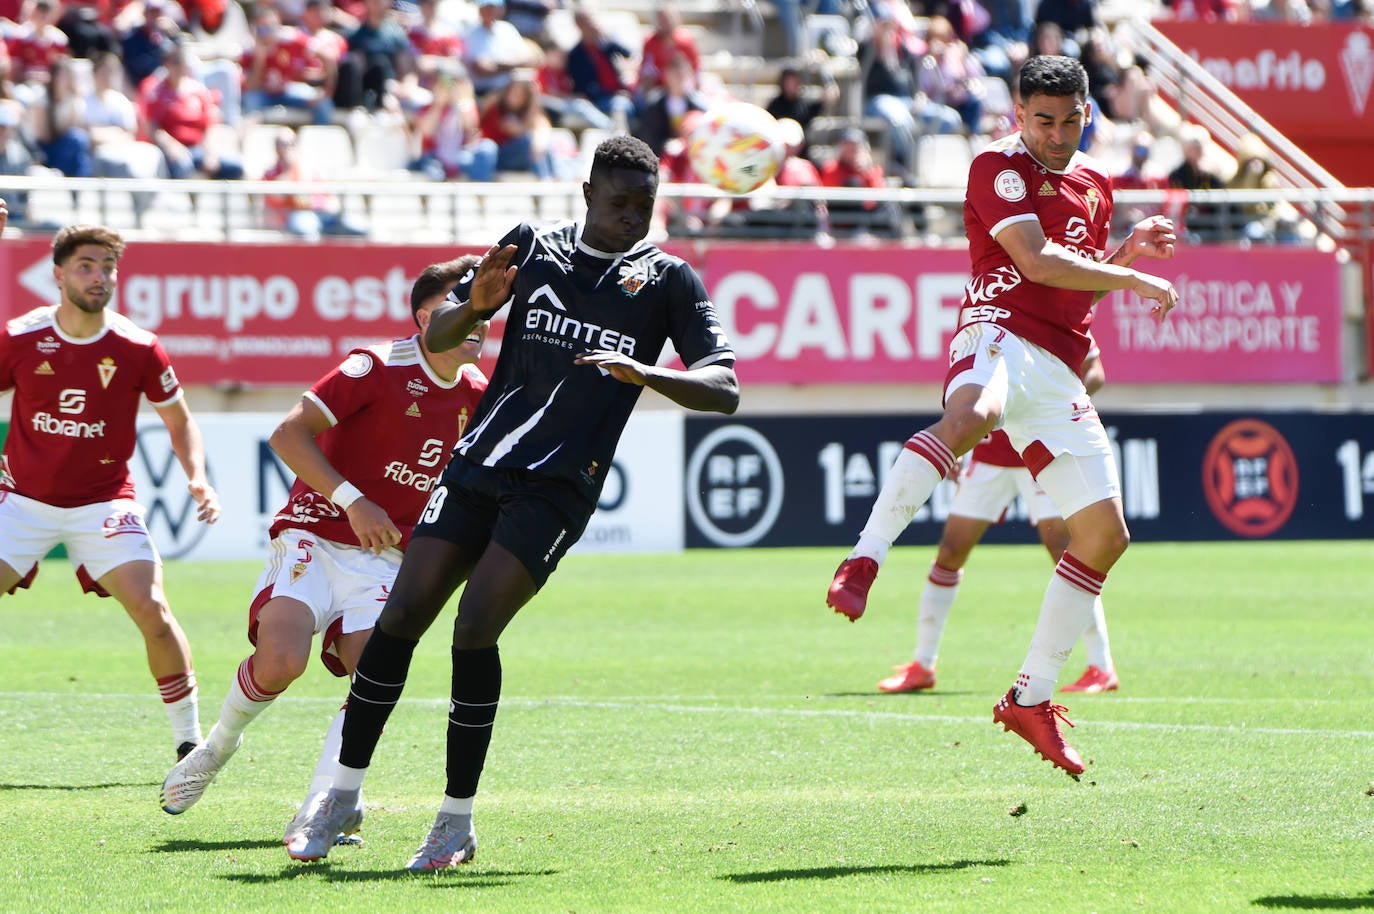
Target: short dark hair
[[68, 239], [1054, 75], [439, 278], [624, 151]]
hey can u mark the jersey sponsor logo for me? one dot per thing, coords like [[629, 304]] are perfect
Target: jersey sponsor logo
[[1250, 478], [1078, 411], [122, 523], [1047, 190], [568, 332], [985, 288], [168, 380], [44, 368], [416, 388], [1009, 185], [49, 424], [71, 401], [413, 410], [48, 345], [980, 313], [398, 471], [107, 369], [1076, 230], [431, 452], [356, 365], [553, 547], [735, 486]]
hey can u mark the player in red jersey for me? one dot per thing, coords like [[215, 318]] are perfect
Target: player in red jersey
[[994, 476], [78, 374], [375, 433], [4, 213], [1037, 214]]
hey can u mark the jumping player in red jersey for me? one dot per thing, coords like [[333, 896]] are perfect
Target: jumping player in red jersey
[[374, 433], [78, 374], [1037, 214], [993, 477], [591, 307]]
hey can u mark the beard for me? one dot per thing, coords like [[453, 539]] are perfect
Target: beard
[[91, 304]]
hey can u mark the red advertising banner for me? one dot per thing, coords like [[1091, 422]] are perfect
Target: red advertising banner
[[797, 314], [1314, 83]]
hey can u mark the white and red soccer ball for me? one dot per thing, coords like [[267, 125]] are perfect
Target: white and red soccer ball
[[736, 146]]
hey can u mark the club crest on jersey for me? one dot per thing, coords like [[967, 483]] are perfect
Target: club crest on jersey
[[1046, 190], [1092, 198], [634, 277], [107, 369], [462, 421], [297, 570]]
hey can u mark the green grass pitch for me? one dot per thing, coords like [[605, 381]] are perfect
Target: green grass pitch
[[698, 733]]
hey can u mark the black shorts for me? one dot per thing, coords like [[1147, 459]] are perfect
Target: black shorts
[[537, 518]]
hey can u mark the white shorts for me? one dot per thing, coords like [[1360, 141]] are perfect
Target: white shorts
[[344, 587], [1046, 412], [986, 491], [99, 537]]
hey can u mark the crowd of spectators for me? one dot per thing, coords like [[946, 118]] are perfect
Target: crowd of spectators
[[144, 88]]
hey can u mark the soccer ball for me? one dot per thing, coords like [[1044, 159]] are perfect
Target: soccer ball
[[736, 147]]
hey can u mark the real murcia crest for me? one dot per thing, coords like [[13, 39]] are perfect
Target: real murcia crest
[[107, 369], [1093, 200], [1357, 60]]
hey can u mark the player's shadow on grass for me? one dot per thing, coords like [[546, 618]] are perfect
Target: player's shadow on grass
[[836, 872], [459, 877], [186, 845], [1318, 902], [107, 786]]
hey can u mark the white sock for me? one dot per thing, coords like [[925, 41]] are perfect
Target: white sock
[[180, 699], [918, 469], [942, 586], [1064, 615], [323, 778], [348, 780], [1095, 639], [245, 701], [457, 806]]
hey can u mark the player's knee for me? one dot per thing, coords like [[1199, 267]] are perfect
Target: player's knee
[[153, 617], [470, 634], [274, 670]]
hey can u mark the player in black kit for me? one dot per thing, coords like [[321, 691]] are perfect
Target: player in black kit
[[591, 306]]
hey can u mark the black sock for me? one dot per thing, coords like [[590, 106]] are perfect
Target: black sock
[[472, 712], [377, 686]]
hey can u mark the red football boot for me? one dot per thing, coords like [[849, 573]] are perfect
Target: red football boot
[[1039, 726], [849, 591], [911, 677], [1094, 680]]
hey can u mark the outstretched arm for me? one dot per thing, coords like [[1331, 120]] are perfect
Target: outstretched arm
[[710, 388], [189, 447]]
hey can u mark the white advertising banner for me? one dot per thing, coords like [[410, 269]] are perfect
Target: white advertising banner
[[641, 505]]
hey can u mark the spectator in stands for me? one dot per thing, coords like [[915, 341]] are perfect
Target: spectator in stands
[[596, 65], [853, 167], [669, 40], [666, 109], [327, 52], [1074, 18], [144, 36], [433, 39], [1254, 171], [449, 129], [176, 113], [791, 104], [892, 89], [278, 68], [1194, 173], [87, 34], [797, 171], [952, 76], [36, 43], [1209, 10], [689, 216], [530, 17], [973, 24], [307, 216], [61, 135], [492, 48], [564, 106], [380, 50], [112, 121], [1135, 177], [514, 120]]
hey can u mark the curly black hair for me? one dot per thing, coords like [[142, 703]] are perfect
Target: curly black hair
[[1053, 75], [624, 152]]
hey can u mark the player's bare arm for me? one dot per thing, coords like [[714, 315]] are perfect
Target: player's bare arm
[[1152, 237], [1051, 264], [711, 388], [189, 447], [293, 440], [490, 290]]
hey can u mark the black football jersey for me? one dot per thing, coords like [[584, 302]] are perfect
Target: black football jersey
[[543, 413]]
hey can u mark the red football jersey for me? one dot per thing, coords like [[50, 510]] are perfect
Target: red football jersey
[[72, 422], [289, 60], [1074, 209], [393, 425]]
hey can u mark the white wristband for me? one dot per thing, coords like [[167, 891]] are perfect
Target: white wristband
[[345, 495]]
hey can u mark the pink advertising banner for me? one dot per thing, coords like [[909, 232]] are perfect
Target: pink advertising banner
[[797, 314]]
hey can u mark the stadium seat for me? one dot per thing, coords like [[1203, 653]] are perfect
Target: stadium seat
[[259, 149], [942, 160], [383, 151], [327, 148]]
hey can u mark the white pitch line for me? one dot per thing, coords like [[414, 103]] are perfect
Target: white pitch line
[[663, 704]]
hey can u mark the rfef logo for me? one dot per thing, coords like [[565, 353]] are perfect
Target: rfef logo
[[734, 486], [1250, 478]]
